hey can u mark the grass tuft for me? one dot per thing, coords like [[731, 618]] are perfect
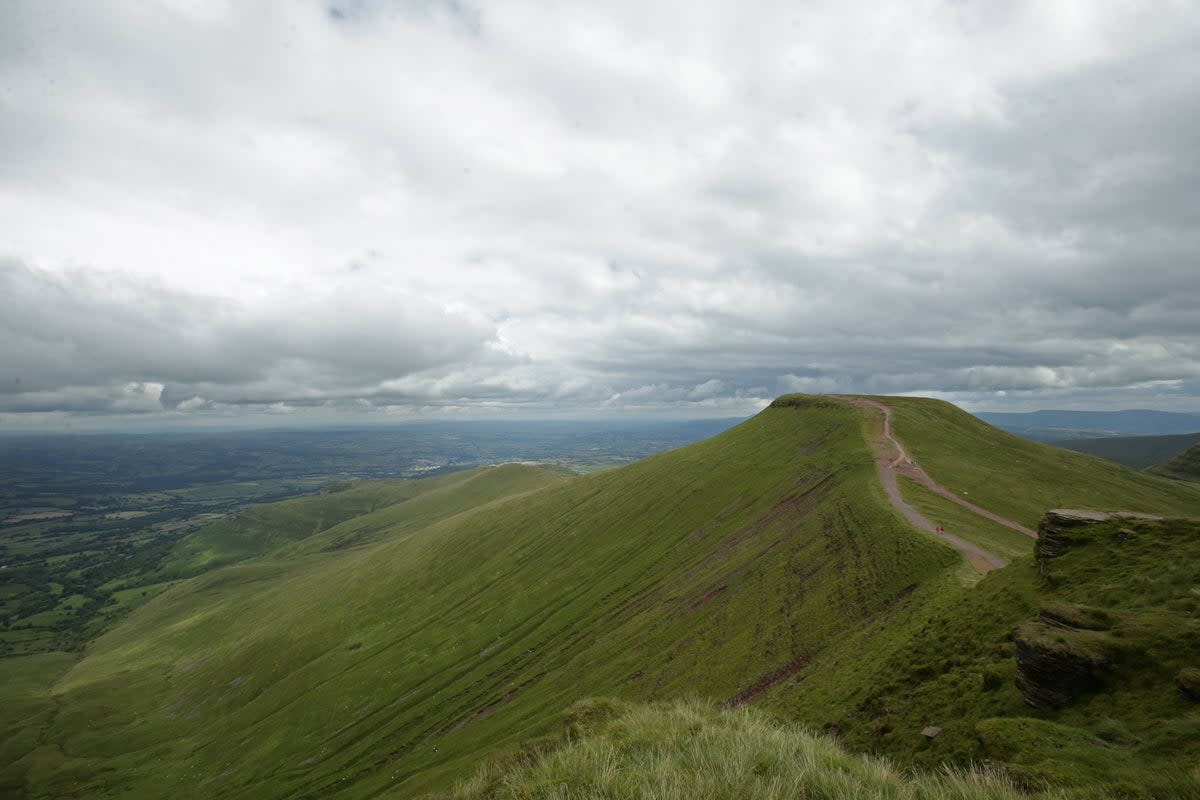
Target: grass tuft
[[690, 749]]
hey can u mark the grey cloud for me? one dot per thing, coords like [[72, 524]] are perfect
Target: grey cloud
[[81, 340], [593, 207]]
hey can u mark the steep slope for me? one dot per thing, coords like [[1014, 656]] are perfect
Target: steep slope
[[1185, 466], [721, 568], [28, 705], [1026, 674], [1078, 671]]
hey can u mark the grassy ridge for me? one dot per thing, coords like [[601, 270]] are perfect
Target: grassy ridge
[[1020, 479], [387, 653], [719, 568], [1010, 545]]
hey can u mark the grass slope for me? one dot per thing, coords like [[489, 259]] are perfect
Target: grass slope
[[1012, 546], [402, 504]]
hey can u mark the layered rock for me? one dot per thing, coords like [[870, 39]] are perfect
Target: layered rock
[[1055, 665], [1059, 528]]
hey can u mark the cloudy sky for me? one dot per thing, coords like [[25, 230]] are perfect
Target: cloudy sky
[[387, 209]]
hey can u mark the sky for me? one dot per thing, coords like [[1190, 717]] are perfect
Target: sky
[[367, 210]]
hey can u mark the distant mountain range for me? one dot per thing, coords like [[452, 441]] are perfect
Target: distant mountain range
[[1050, 426]]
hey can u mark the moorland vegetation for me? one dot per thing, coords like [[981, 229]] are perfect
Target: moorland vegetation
[[378, 640]]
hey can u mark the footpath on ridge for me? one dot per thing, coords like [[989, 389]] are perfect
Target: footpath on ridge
[[888, 467]]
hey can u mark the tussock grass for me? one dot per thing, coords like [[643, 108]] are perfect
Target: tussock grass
[[689, 749]]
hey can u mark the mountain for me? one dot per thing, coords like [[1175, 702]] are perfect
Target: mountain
[[1139, 452], [380, 642], [1048, 426]]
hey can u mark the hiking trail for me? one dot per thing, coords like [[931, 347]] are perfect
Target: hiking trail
[[888, 467]]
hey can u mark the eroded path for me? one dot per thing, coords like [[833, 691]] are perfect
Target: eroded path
[[891, 459]]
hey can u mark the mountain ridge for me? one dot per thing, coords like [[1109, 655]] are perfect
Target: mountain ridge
[[764, 564]]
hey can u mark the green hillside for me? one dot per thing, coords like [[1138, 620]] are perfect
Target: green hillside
[[1138, 452], [1185, 466], [1081, 671], [1019, 478], [389, 639], [719, 568], [375, 505]]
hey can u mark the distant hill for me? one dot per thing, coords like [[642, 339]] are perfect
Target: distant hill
[[1185, 465], [1049, 426], [1138, 452], [381, 641]]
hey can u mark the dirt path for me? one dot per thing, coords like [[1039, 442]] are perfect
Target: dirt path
[[888, 467]]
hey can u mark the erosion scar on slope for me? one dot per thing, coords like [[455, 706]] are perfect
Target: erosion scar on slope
[[888, 466]]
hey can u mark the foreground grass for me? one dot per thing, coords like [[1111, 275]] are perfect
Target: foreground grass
[[690, 750]]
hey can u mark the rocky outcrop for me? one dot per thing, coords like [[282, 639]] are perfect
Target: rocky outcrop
[[1059, 528], [1055, 665], [1188, 681], [1059, 614]]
